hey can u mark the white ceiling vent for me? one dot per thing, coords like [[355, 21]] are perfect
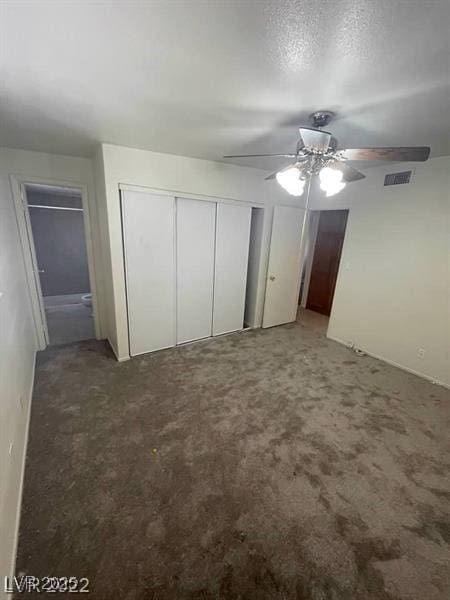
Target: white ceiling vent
[[397, 178]]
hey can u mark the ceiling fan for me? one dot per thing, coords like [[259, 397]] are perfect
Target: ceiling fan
[[317, 153]]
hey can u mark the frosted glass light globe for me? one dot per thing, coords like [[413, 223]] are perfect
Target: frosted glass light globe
[[291, 182], [331, 181]]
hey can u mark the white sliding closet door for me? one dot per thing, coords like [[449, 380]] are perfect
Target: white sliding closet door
[[232, 243], [195, 268], [149, 246]]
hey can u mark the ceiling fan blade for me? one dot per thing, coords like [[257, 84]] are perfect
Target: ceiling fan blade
[[273, 175], [258, 155], [348, 172], [413, 153], [315, 139]]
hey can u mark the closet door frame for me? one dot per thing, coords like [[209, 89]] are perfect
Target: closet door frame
[[175, 194], [180, 194]]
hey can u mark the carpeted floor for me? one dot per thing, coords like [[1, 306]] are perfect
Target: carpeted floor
[[265, 465]]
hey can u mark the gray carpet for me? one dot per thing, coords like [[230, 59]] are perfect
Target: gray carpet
[[264, 465]]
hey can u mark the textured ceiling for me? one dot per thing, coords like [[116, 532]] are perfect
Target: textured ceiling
[[207, 78]]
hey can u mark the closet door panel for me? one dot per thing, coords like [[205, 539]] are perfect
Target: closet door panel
[[232, 243], [149, 247], [195, 268]]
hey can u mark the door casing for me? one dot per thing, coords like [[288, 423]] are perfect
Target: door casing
[[18, 187]]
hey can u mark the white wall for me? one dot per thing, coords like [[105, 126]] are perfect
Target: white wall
[[393, 290], [108, 317], [172, 173], [17, 333]]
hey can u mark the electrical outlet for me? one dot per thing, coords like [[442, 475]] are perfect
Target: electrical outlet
[[420, 353]]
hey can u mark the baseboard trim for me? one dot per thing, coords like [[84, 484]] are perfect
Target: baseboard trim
[[22, 475], [118, 358], [392, 362]]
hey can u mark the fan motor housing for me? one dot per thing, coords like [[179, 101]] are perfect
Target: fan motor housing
[[321, 118]]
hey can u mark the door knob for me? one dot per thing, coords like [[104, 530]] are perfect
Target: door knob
[[272, 277], [41, 270]]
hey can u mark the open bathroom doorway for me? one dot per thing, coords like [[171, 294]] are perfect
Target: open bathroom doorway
[[56, 232]]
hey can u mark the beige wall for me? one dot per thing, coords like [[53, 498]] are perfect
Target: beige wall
[[18, 342], [392, 294]]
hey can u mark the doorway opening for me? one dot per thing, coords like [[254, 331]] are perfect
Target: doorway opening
[[57, 241], [326, 232]]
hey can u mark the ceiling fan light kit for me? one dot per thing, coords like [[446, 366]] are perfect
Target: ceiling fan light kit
[[331, 181], [317, 153], [291, 180]]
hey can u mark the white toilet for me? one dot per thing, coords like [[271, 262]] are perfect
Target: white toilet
[[86, 299]]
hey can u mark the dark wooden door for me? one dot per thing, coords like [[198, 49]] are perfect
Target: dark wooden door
[[325, 265]]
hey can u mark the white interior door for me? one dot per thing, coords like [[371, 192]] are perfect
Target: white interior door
[[38, 299], [195, 268], [283, 276], [230, 278], [149, 245]]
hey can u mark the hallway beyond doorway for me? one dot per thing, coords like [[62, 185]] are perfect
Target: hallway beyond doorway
[[56, 237], [69, 318]]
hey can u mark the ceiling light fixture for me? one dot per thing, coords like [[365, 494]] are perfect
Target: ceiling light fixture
[[317, 153], [331, 181], [291, 180]]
